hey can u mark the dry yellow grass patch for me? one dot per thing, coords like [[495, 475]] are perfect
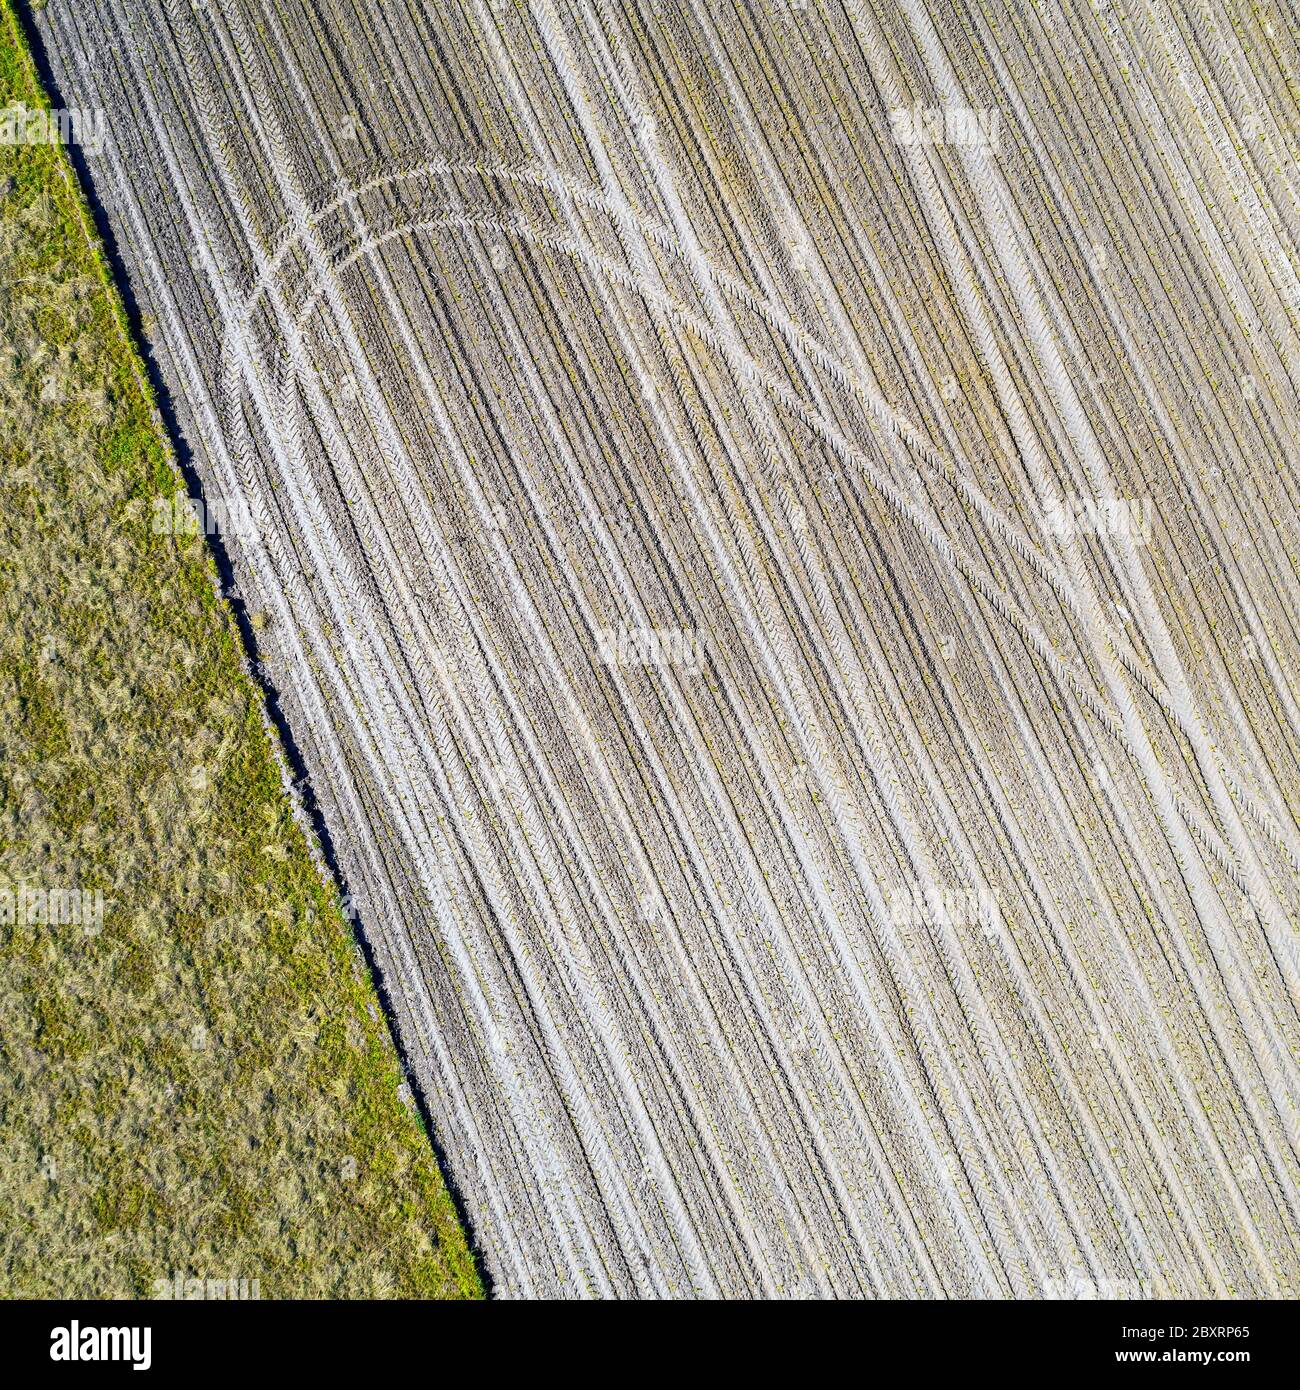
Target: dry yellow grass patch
[[202, 1082]]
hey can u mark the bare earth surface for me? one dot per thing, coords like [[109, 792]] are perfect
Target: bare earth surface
[[793, 628]]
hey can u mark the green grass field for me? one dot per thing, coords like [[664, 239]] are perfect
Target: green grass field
[[204, 1084]]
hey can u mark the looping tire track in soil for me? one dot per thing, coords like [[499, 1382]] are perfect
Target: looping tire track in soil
[[931, 929]]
